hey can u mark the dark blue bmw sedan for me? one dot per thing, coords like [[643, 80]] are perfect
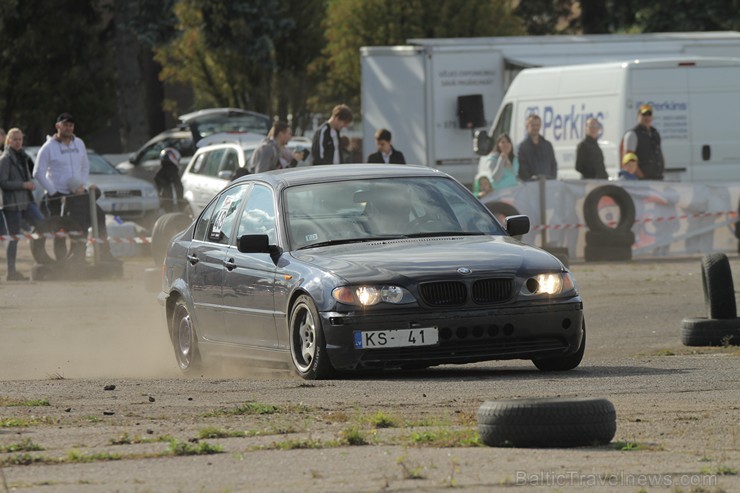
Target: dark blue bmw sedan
[[333, 268]]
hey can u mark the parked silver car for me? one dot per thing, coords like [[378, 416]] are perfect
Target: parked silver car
[[124, 196]]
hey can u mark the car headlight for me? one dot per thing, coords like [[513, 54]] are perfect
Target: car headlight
[[372, 295], [549, 284]]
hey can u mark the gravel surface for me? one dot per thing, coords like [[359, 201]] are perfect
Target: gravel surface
[[88, 377]]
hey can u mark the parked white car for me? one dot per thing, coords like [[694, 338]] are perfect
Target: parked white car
[[216, 161]]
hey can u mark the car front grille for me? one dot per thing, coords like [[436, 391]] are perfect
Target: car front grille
[[122, 194], [455, 293]]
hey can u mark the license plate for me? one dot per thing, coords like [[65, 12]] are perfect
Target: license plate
[[375, 339], [121, 206]]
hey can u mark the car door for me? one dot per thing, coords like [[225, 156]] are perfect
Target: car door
[[205, 262], [204, 183], [250, 277]]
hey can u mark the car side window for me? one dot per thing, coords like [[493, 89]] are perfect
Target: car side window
[[259, 214], [231, 161], [216, 224], [198, 162], [210, 164]]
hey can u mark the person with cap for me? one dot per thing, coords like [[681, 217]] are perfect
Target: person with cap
[[167, 179], [18, 202], [629, 167], [63, 168], [589, 157], [644, 141]]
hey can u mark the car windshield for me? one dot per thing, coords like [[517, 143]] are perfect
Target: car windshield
[[370, 209], [99, 165]]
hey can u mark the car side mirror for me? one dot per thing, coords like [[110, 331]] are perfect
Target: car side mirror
[[132, 158], [482, 143], [517, 225], [256, 244], [226, 175]]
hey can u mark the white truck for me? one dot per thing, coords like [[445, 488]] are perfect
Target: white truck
[[696, 105], [433, 93]]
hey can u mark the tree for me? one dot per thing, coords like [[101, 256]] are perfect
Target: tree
[[48, 66], [352, 24], [544, 16]]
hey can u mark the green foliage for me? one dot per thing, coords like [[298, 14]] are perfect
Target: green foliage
[[81, 457], [354, 436], [25, 446], [382, 420], [248, 408], [8, 402], [177, 447]]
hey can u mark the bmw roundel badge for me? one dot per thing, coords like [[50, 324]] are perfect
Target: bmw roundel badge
[[464, 270]]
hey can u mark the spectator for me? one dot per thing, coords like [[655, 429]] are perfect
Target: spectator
[[629, 167], [2, 139], [536, 155], [503, 164], [17, 186], [482, 186], [644, 141], [589, 158], [326, 148], [344, 150], [168, 180], [355, 147], [268, 154], [62, 168], [386, 152]]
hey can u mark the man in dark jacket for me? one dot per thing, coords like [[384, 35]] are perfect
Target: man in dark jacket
[[18, 203], [536, 155], [325, 146], [589, 158], [644, 141], [386, 152]]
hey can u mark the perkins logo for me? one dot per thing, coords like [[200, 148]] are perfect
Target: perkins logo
[[570, 125]]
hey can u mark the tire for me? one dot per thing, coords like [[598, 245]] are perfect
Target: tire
[[719, 290], [167, 226], [563, 363], [607, 253], [61, 247], [710, 332], [623, 201], [307, 344], [555, 422], [185, 340], [610, 239]]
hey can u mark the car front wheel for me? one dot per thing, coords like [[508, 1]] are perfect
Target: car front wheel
[[185, 340], [307, 345], [563, 363]]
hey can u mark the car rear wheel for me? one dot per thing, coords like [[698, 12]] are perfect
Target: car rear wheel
[[307, 345], [185, 340], [563, 363]]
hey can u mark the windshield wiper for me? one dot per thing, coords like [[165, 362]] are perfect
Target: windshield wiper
[[345, 241], [444, 233]]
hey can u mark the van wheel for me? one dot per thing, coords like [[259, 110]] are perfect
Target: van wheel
[[554, 422]]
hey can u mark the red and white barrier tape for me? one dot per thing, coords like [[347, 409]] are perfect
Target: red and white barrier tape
[[555, 227]]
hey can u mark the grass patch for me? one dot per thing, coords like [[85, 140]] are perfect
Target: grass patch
[[24, 460], [213, 432], [719, 470], [246, 409], [632, 446], [25, 446], [179, 448], [445, 438], [75, 456], [382, 420], [26, 422], [126, 439], [8, 402], [354, 436]]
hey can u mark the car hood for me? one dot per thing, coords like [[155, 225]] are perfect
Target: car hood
[[119, 182], [428, 258]]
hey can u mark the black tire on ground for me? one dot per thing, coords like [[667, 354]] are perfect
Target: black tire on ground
[[307, 344], [167, 226], [608, 239], [563, 363], [719, 290], [185, 340], [555, 422], [607, 253], [703, 331], [61, 247], [620, 197]]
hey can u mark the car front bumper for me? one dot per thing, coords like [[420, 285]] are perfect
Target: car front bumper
[[465, 336]]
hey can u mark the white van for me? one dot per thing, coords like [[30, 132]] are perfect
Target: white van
[[696, 110]]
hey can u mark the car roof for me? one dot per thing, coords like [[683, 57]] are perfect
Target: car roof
[[339, 172], [245, 139], [218, 111]]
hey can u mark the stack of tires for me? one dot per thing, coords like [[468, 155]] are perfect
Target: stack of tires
[[720, 327], [605, 240]]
